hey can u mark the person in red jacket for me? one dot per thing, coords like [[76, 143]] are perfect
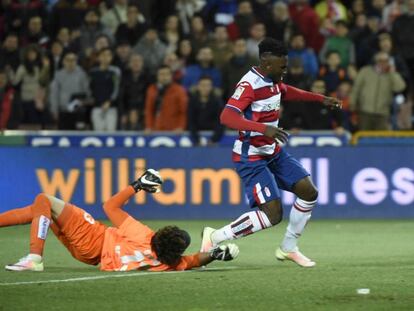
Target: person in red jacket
[[6, 100], [165, 104], [263, 165]]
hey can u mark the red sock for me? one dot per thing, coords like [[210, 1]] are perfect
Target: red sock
[[18, 216], [42, 212]]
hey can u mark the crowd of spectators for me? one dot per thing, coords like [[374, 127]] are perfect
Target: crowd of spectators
[[170, 65]]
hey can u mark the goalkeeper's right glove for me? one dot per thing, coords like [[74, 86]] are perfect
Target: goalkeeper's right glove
[[150, 181], [225, 252]]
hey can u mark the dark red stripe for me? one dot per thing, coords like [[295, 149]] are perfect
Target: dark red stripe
[[265, 92], [301, 209], [245, 231], [260, 219], [259, 141], [240, 221], [265, 116]]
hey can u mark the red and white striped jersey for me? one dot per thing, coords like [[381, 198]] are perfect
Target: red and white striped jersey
[[259, 99]]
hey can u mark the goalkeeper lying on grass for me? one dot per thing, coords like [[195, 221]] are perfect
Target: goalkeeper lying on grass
[[129, 245]]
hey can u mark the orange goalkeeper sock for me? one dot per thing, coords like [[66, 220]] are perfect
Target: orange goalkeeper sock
[[18, 216], [42, 211]]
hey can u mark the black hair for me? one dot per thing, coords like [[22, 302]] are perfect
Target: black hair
[[169, 243], [205, 77], [341, 22], [272, 47], [104, 50]]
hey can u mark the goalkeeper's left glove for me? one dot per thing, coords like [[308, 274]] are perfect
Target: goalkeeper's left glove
[[225, 252], [150, 181]]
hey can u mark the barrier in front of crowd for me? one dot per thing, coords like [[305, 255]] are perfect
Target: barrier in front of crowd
[[160, 139], [200, 183]]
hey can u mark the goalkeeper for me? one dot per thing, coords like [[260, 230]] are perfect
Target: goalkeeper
[[129, 245]]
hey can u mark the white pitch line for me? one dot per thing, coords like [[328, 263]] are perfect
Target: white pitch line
[[111, 276]]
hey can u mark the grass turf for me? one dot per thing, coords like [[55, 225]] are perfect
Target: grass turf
[[378, 255]]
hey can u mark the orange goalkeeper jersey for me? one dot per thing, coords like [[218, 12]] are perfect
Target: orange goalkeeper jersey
[[129, 248]]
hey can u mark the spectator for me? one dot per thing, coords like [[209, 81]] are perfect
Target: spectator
[[307, 21], [372, 94], [34, 33], [243, 21], [221, 46], [402, 33], [69, 92], [386, 45], [133, 29], [298, 50], [18, 13], [176, 65], [165, 104], [68, 14], [185, 52], [349, 118], [152, 50], [89, 57], [171, 34], [377, 8], [341, 43], [220, 12], [32, 76], [332, 73], [296, 75], [392, 11], [123, 52], [134, 84], [236, 67], [368, 45], [199, 33], [6, 100], [55, 57], [9, 53], [186, 10], [332, 10], [63, 36], [204, 112], [358, 33], [357, 8], [91, 29], [104, 85], [280, 26], [204, 67], [257, 34], [115, 16]]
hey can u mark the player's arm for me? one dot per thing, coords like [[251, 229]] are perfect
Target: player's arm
[[223, 253], [291, 93], [150, 181], [232, 114]]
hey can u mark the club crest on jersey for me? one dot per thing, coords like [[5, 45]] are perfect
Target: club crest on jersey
[[238, 92]]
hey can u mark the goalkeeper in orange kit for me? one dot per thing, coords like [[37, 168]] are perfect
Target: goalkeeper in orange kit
[[129, 245]]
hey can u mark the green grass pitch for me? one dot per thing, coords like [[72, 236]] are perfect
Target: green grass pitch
[[378, 255]]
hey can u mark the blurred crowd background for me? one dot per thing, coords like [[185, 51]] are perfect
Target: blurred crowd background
[[171, 65]]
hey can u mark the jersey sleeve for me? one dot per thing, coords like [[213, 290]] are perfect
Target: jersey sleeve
[[133, 229], [242, 97], [290, 93], [188, 262]]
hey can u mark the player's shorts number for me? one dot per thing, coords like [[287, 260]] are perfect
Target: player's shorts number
[[89, 218]]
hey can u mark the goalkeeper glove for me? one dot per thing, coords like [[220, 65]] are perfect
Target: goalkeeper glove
[[225, 252], [150, 181]]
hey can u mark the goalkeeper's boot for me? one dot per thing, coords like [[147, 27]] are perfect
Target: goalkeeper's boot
[[296, 256], [28, 263], [207, 243], [150, 181]]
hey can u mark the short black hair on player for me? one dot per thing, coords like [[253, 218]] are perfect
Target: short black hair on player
[[169, 243], [270, 46]]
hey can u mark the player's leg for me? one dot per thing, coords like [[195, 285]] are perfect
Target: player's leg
[[262, 192], [18, 216], [291, 176], [42, 210]]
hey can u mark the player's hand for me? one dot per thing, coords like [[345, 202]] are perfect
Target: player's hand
[[225, 252], [276, 133], [150, 181], [332, 102]]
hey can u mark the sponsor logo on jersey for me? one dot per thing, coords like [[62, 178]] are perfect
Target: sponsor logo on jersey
[[238, 92], [44, 223], [267, 191]]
